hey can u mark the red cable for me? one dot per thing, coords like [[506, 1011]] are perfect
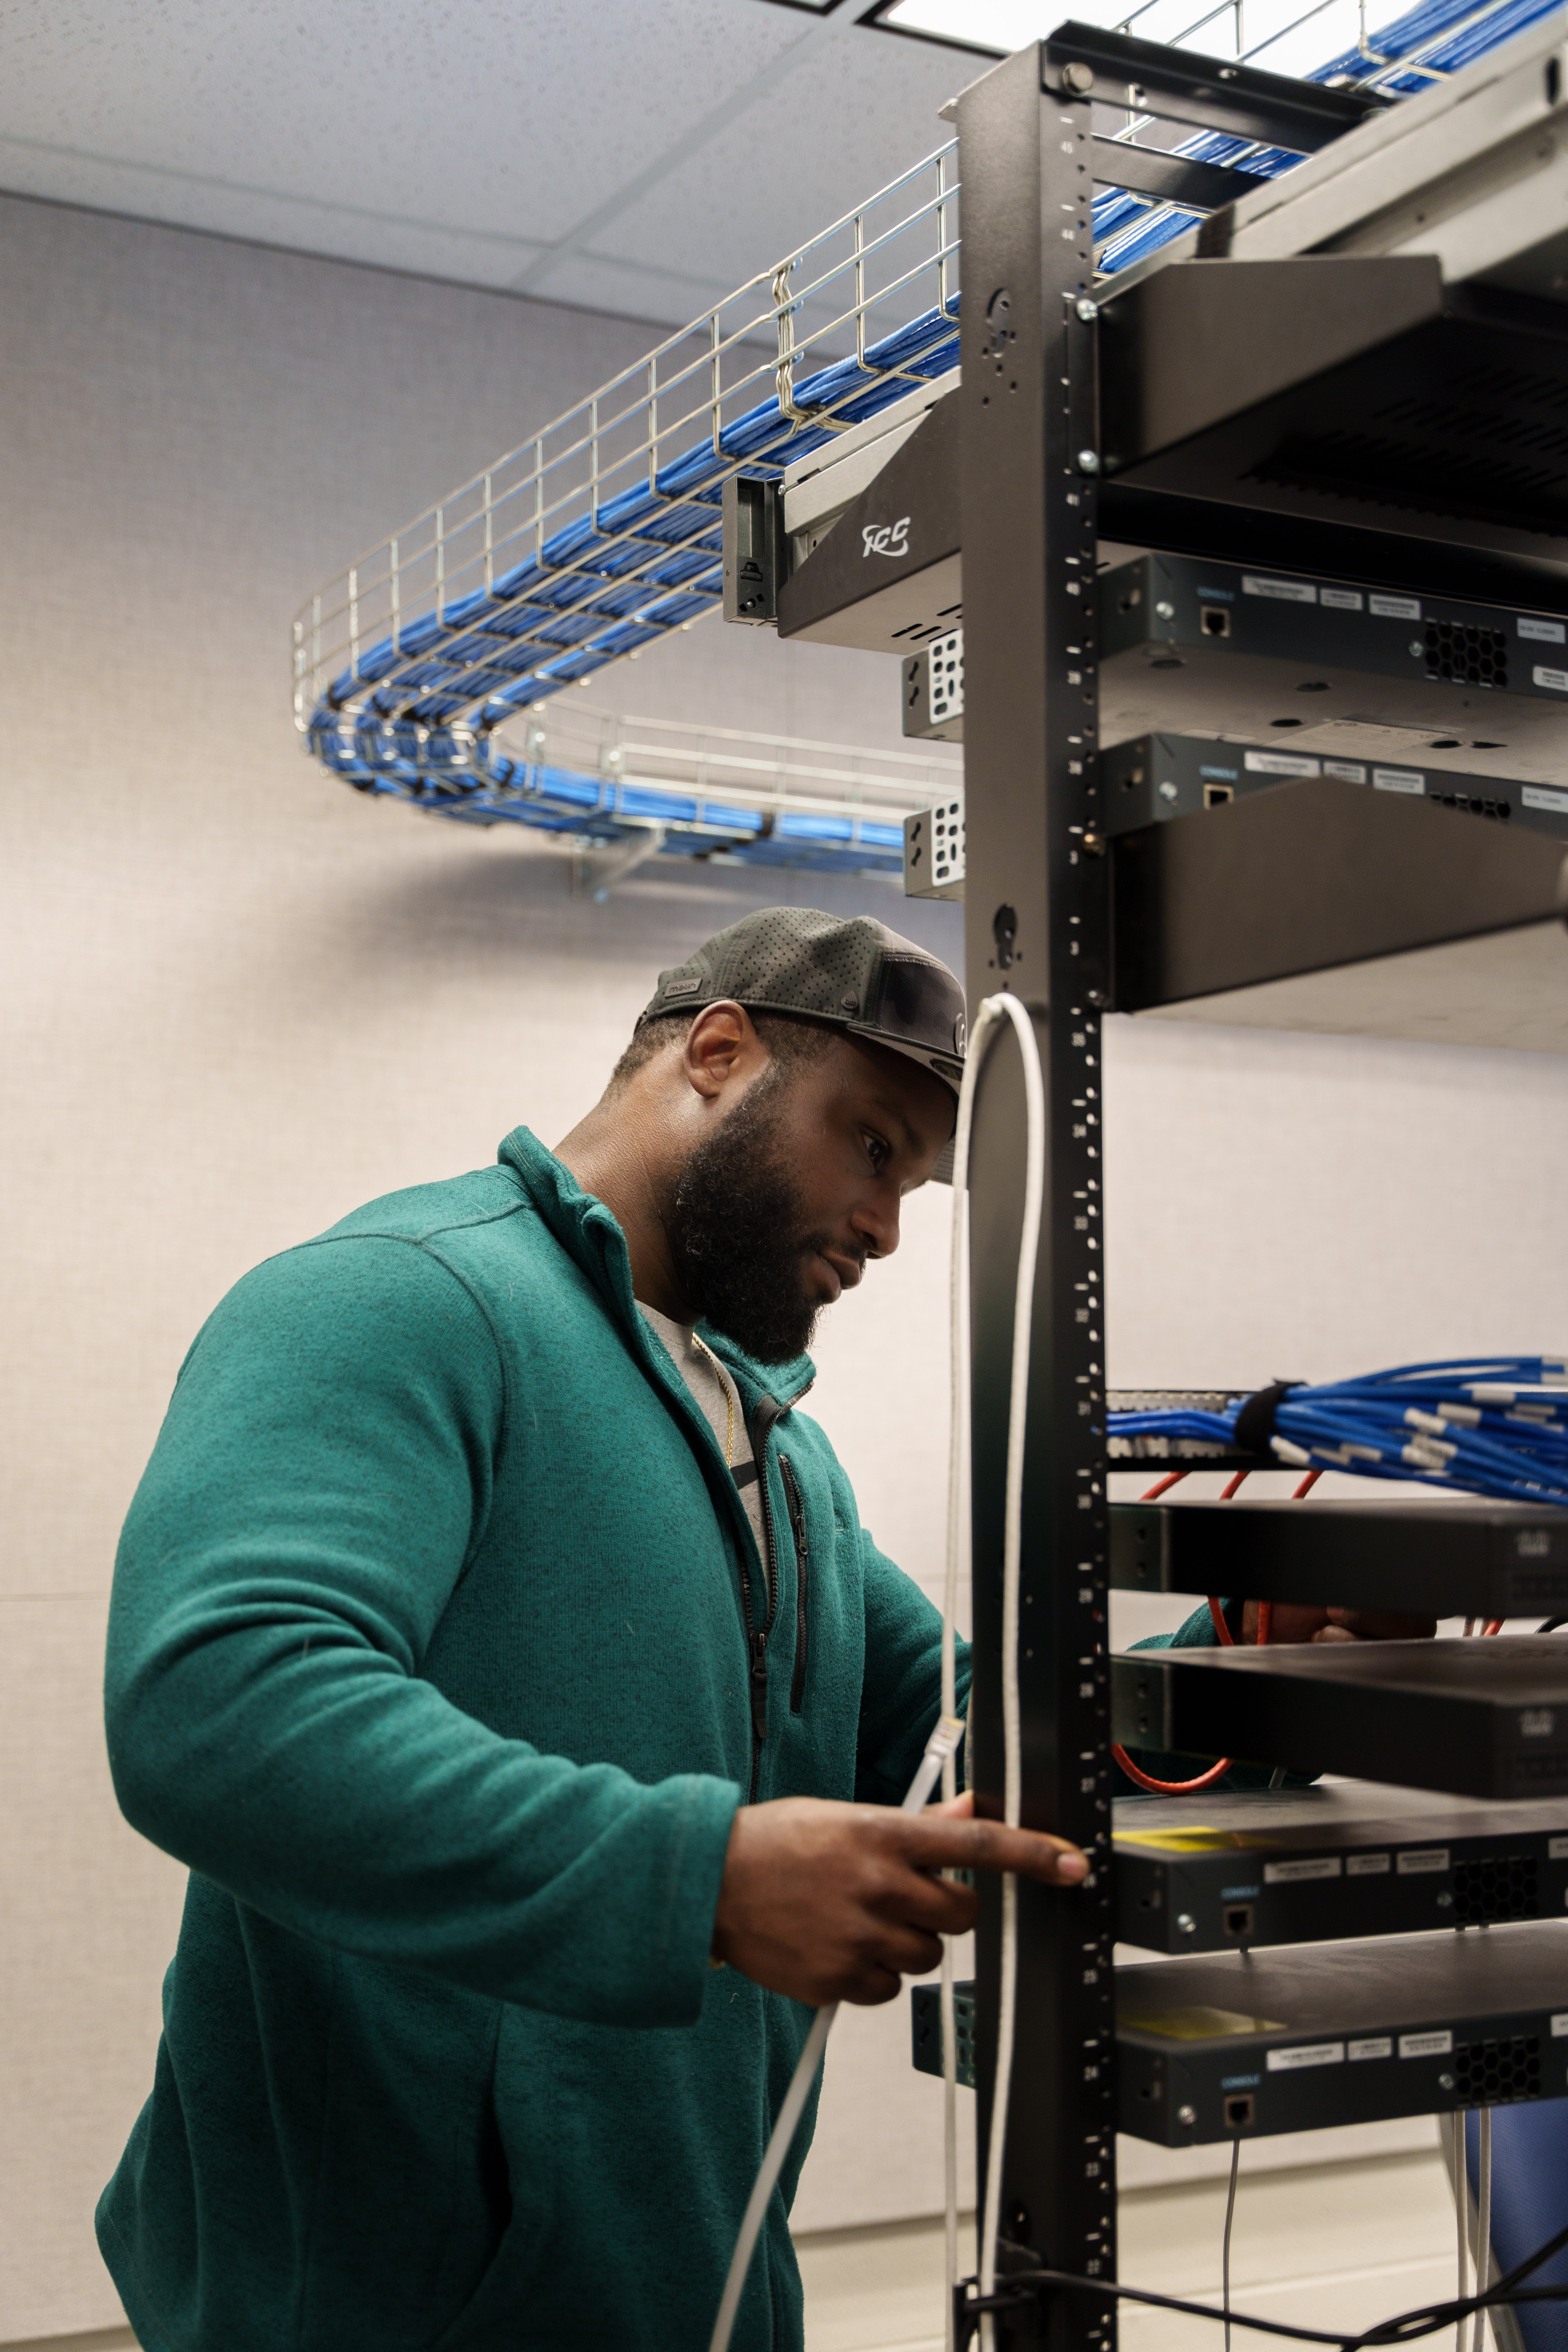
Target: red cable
[[1493, 1625], [1228, 1641], [1265, 1617], [1172, 1479]]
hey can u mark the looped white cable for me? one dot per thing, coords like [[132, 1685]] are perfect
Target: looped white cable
[[939, 1750], [992, 1011]]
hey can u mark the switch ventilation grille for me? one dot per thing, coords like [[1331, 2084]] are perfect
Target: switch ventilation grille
[[1467, 653], [1497, 1887], [1491, 2073]]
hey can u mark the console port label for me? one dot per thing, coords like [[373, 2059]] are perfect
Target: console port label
[[1309, 2054], [1418, 1860], [1543, 633], [1284, 591], [1289, 1873], [1367, 1866], [1395, 608], [1377, 2045], [1281, 763], [1425, 2045]]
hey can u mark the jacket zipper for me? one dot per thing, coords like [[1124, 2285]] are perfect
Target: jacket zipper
[[767, 1412], [801, 1580]]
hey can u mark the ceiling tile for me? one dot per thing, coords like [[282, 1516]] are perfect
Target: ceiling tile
[[513, 120]]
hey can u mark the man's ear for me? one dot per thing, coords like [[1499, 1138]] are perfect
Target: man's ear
[[721, 1047]]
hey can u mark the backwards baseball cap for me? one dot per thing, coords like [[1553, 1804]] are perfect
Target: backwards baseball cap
[[856, 975]]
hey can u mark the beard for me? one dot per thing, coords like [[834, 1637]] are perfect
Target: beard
[[738, 1232]]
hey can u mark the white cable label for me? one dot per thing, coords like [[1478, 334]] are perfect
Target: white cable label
[[1378, 2045], [1425, 2045], [1544, 633], [1395, 608], [1366, 1865], [1290, 1873], [1350, 771], [1557, 679], [1397, 779], [1280, 764], [1417, 1860], [1559, 2027], [1535, 796], [1341, 600], [1557, 1849], [1284, 591], [1312, 2053]]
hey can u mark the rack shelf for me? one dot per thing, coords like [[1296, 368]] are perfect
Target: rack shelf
[[1476, 1719], [1433, 1560]]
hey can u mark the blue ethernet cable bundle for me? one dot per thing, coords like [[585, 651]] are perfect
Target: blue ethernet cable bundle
[[1491, 1425]]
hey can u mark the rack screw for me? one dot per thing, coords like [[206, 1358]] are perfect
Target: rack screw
[[1186, 2115], [1088, 461], [1078, 79], [1445, 2081], [1165, 611], [1087, 311], [1416, 648], [1445, 1902], [1185, 1924]]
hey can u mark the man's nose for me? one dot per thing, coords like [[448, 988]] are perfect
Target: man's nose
[[876, 1221]]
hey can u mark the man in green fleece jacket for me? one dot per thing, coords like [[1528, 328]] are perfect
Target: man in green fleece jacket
[[498, 1643]]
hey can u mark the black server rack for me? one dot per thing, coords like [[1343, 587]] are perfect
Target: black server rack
[[1251, 744]]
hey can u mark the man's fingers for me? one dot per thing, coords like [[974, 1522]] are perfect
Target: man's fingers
[[942, 1905], [950, 1844], [1372, 1625]]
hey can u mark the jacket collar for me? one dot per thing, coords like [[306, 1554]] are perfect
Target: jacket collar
[[591, 1235]]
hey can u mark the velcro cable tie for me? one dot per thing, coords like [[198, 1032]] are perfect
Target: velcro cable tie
[[1255, 1420]]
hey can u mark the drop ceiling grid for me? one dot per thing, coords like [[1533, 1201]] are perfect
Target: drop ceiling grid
[[468, 145]]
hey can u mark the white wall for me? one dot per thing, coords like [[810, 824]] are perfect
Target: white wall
[[239, 1000]]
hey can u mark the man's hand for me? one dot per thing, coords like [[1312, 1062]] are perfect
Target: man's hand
[[834, 1902], [1292, 1623]]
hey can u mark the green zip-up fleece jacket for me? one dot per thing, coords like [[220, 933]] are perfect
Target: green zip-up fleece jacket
[[442, 1652]]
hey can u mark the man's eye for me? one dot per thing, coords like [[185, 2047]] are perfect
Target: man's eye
[[877, 1150]]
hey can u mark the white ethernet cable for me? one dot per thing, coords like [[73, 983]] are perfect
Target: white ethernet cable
[[1483, 2212], [939, 1749], [942, 1746], [993, 1011]]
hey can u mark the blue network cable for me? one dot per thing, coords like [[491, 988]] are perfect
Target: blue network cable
[[1133, 228], [1495, 1426], [413, 715]]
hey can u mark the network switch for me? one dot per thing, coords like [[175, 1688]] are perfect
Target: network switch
[[1155, 777], [1226, 1872], [1249, 2045], [1320, 669]]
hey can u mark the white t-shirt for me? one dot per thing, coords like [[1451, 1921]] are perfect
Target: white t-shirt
[[719, 1400]]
